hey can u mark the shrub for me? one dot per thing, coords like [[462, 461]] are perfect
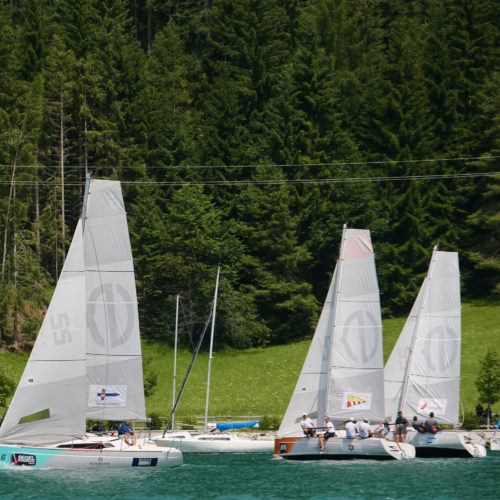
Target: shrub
[[270, 422], [188, 422], [156, 421], [470, 421]]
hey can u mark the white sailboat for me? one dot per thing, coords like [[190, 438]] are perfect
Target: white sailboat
[[422, 374], [342, 376], [212, 442], [86, 362]]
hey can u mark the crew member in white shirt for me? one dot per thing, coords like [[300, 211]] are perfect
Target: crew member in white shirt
[[365, 429], [329, 432], [350, 429], [307, 426]]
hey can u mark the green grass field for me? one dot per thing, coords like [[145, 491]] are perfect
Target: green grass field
[[260, 381]]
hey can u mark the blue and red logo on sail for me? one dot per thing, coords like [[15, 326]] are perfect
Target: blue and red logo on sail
[[103, 394]]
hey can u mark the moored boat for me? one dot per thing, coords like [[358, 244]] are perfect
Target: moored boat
[[223, 442]]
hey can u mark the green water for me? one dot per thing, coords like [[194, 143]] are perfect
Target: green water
[[262, 477]]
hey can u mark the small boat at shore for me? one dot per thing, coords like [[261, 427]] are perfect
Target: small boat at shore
[[211, 442], [422, 374], [86, 362], [216, 442], [342, 376]]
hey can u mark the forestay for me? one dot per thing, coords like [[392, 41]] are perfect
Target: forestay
[[423, 371], [342, 375]]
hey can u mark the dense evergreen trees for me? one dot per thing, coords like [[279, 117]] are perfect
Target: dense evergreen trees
[[249, 100]]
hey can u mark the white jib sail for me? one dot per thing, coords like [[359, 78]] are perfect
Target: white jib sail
[[342, 375], [49, 403], [114, 360], [423, 370]]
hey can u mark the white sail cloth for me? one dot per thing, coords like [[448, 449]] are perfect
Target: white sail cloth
[[342, 376], [422, 373]]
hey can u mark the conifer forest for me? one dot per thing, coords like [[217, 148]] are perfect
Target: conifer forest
[[246, 133]]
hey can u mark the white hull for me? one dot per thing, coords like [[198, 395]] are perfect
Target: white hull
[[495, 443], [338, 448], [446, 444], [214, 443], [107, 453]]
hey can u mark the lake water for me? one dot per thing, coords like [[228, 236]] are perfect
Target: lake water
[[259, 476]]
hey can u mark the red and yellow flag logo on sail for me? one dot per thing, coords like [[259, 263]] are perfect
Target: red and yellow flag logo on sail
[[354, 401], [357, 400]]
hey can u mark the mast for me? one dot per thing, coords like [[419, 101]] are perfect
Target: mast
[[211, 347], [322, 412], [402, 401], [175, 356], [85, 198]]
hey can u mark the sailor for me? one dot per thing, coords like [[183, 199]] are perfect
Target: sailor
[[329, 432], [350, 429], [383, 428], [418, 426], [365, 429], [431, 424], [126, 433], [307, 426], [98, 428], [401, 425]]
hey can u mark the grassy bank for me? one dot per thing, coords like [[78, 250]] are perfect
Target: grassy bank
[[261, 381]]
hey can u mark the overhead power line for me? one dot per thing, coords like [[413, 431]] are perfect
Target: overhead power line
[[266, 165], [331, 180]]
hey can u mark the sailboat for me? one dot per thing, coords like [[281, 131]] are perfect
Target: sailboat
[[422, 374], [86, 362], [342, 376], [212, 442]]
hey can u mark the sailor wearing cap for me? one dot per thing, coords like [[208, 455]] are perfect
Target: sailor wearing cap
[[307, 426]]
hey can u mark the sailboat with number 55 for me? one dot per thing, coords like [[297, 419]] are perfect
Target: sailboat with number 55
[[86, 362]]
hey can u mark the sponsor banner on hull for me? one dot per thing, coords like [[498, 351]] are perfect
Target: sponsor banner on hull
[[23, 459], [144, 462]]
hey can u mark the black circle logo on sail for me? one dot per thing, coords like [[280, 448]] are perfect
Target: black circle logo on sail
[[440, 348], [368, 343], [104, 298]]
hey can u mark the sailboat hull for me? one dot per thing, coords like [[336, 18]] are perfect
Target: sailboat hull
[[303, 448], [115, 455], [215, 443], [445, 444]]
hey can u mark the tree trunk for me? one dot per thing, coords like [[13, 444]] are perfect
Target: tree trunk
[[63, 220]]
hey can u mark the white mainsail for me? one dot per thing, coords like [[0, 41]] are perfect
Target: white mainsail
[[422, 373], [114, 360], [342, 376], [49, 403]]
